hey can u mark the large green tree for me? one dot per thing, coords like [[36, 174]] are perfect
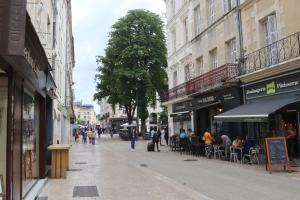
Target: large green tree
[[132, 71]]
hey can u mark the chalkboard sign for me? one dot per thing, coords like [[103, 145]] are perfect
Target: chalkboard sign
[[277, 154]]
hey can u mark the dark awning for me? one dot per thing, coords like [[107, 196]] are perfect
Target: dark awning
[[255, 112]]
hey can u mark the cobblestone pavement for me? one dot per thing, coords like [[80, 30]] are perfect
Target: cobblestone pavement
[[119, 174]]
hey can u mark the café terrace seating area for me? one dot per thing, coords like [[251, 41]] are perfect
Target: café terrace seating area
[[194, 146]]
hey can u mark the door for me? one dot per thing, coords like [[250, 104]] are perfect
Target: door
[[271, 38]]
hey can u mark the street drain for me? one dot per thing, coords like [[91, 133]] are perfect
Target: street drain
[[190, 160], [81, 163], [42, 198], [74, 170], [143, 165], [85, 191]]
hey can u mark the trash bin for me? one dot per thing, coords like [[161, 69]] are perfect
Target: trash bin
[[59, 160]]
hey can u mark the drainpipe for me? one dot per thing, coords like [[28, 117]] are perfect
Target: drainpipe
[[240, 35]]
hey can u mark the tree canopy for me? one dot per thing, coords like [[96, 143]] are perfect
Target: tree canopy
[[132, 71]]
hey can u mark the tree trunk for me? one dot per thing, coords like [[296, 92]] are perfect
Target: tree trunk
[[143, 127]]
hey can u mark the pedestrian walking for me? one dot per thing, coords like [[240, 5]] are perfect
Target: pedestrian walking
[[167, 135], [162, 138], [208, 140], [84, 136], [133, 139], [159, 136], [94, 137], [155, 140]]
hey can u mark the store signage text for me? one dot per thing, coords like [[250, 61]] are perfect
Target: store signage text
[[31, 61], [291, 83]]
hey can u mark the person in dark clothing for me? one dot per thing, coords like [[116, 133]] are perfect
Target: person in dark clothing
[[159, 136], [167, 135], [133, 139], [155, 140]]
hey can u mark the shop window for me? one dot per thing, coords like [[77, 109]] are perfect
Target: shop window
[[30, 127], [3, 122]]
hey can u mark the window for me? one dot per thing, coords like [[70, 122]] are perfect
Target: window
[[199, 65], [211, 11], [3, 122], [270, 29], [197, 20], [187, 74], [213, 59], [174, 40], [30, 141], [175, 80], [226, 6], [231, 51], [186, 29], [172, 2]]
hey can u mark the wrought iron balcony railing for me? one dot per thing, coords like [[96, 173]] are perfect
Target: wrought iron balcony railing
[[275, 53], [212, 78], [205, 81], [176, 92]]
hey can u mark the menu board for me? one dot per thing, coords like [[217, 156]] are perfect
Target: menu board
[[277, 154]]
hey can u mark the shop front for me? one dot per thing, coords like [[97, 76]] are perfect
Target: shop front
[[206, 106], [24, 88], [182, 117], [272, 108]]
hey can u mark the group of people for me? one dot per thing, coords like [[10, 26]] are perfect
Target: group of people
[[158, 136], [88, 135]]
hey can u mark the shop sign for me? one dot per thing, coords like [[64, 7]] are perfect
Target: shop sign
[[31, 61], [183, 106], [277, 86], [220, 96], [12, 27]]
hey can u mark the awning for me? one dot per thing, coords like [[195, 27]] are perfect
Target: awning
[[179, 113], [255, 112]]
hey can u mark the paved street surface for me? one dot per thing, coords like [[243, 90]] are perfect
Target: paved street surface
[[119, 174]]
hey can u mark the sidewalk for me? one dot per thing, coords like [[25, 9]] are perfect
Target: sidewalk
[[119, 174]]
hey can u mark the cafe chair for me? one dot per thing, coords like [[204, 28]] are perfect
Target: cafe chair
[[233, 155], [218, 153], [252, 156]]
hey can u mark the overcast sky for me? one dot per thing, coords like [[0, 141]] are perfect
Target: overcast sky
[[92, 21]]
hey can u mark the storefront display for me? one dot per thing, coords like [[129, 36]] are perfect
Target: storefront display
[[3, 124]]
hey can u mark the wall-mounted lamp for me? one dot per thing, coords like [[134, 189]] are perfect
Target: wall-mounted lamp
[[220, 109]]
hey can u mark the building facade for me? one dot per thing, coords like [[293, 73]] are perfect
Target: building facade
[[270, 72], [203, 40], [85, 114], [110, 118], [28, 89]]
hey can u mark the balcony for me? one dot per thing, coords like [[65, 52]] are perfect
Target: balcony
[[275, 53], [213, 78], [174, 93], [209, 80]]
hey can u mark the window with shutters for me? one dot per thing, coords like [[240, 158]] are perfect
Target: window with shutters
[[213, 59], [226, 6], [231, 51], [175, 79], [173, 35], [186, 30], [271, 36], [211, 11], [197, 20], [187, 73], [199, 66]]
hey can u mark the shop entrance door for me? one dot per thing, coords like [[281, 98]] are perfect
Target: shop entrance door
[[291, 124], [202, 121]]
